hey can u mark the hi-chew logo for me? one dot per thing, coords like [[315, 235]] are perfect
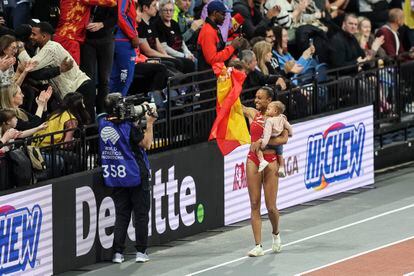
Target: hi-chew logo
[[334, 155], [19, 238]]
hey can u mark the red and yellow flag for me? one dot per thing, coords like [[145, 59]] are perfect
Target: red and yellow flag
[[229, 128]]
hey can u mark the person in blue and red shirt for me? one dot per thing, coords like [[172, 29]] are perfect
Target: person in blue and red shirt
[[126, 40]]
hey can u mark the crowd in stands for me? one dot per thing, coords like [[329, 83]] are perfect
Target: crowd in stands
[[59, 59]]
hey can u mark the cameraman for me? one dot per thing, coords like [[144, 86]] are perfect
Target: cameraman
[[125, 166]]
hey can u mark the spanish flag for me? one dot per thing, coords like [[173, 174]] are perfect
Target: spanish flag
[[229, 128]]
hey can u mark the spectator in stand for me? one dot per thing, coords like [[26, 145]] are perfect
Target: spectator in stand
[[5, 138], [253, 18], [70, 114], [375, 10], [188, 26], [368, 42], [150, 75], [23, 33], [11, 97], [211, 46], [74, 17], [8, 120], [255, 77], [51, 53], [126, 40], [98, 50], [8, 49], [285, 60], [150, 44], [345, 49], [171, 38], [263, 53], [5, 63], [393, 44]]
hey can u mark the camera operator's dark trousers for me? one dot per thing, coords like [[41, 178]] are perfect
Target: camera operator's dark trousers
[[127, 200]]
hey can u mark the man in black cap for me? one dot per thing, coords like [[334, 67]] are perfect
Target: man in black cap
[[210, 45]]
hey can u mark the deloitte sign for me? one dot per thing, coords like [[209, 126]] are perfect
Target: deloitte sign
[[174, 205], [186, 199]]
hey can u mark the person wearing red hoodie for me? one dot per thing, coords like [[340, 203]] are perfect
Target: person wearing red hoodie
[[74, 17]]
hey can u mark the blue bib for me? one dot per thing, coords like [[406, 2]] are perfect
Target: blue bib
[[120, 168]]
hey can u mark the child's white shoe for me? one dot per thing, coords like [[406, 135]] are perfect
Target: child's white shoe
[[263, 165], [282, 172]]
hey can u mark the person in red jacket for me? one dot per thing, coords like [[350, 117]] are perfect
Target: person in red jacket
[[210, 44], [212, 49], [392, 41], [74, 17]]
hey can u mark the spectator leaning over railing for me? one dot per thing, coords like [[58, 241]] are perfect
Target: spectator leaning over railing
[[211, 48], [11, 96], [51, 53]]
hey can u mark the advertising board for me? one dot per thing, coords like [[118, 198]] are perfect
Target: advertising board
[[26, 233], [325, 156]]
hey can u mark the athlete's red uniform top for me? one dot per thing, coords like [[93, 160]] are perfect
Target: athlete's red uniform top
[[256, 132]]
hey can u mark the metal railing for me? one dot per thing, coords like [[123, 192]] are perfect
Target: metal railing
[[190, 110]]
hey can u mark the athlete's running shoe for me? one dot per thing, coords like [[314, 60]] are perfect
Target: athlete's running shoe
[[277, 243], [256, 251]]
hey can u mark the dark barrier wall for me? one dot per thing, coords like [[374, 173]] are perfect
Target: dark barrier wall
[[187, 198]]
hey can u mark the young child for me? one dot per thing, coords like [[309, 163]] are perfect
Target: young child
[[275, 123], [8, 120]]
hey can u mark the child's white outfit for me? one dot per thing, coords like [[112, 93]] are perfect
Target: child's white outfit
[[273, 128]]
